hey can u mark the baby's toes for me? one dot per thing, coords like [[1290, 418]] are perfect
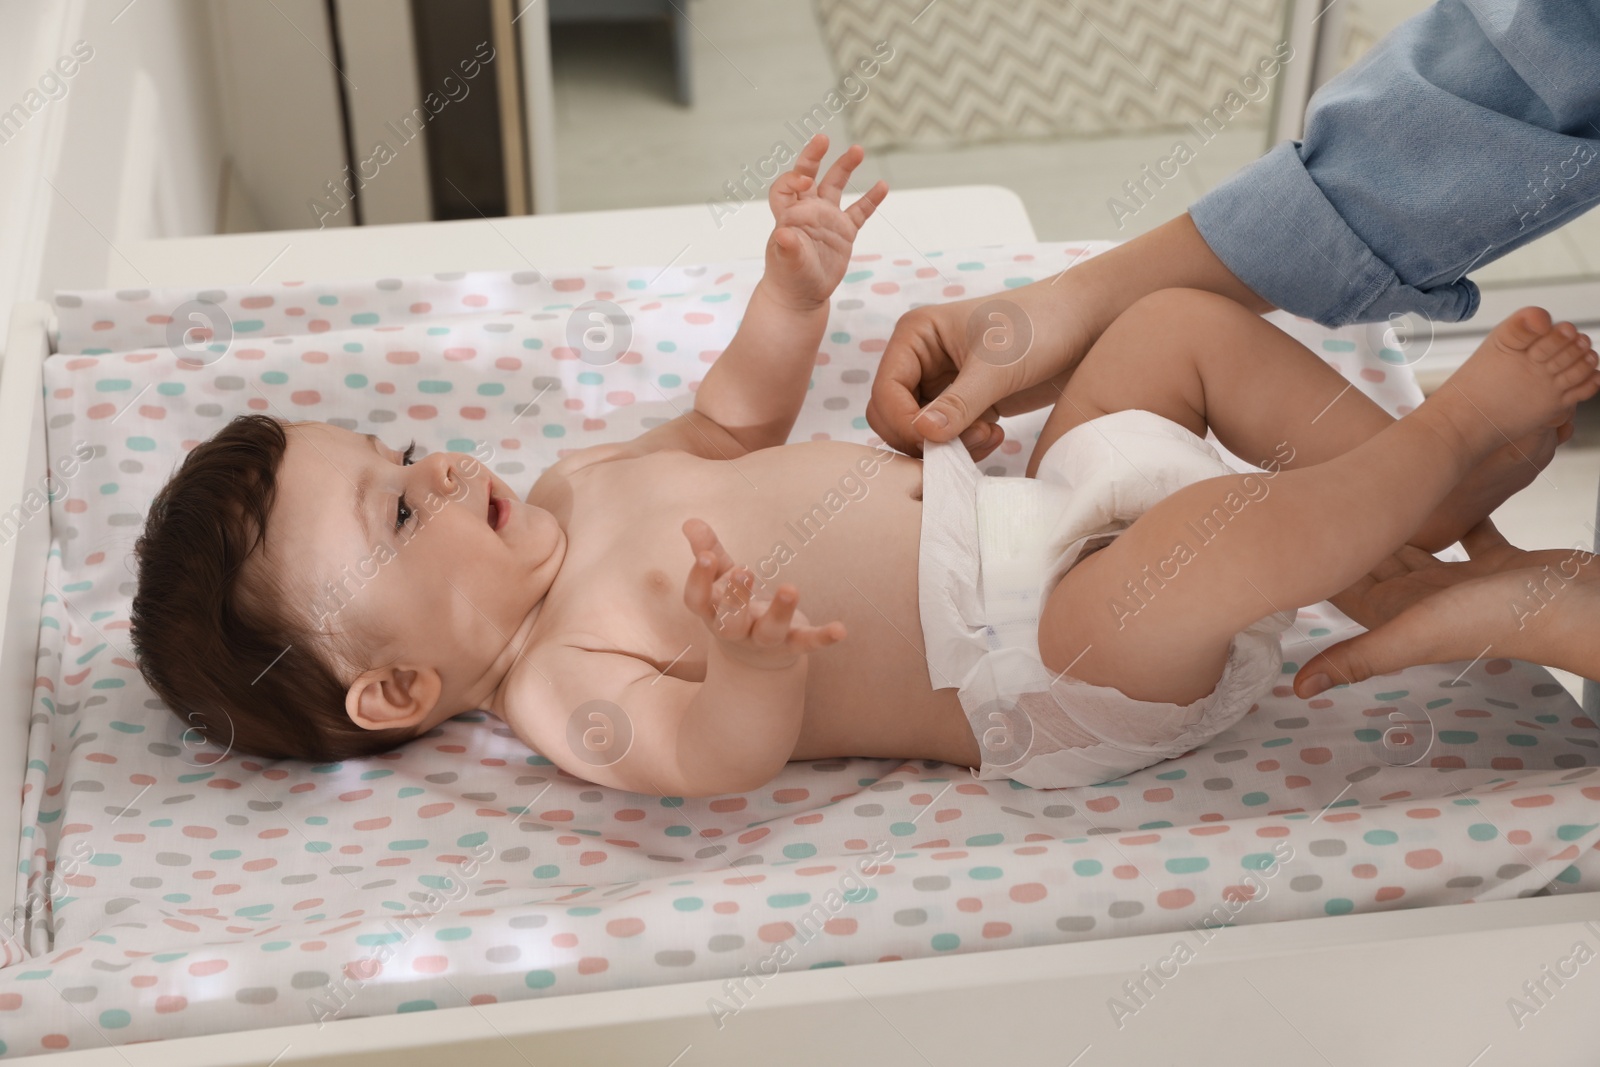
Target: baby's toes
[[1553, 342]]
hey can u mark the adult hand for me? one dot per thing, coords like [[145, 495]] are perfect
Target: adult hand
[[1502, 601], [974, 360]]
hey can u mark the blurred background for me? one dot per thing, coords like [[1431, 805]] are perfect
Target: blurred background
[[126, 121]]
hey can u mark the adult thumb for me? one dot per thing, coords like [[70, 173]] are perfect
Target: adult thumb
[[1406, 640], [975, 389]]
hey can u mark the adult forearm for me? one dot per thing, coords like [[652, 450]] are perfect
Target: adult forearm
[[742, 726], [757, 385]]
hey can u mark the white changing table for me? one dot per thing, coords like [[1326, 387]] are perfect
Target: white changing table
[[1426, 986]]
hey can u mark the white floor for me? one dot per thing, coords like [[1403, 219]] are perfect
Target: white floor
[[623, 142]]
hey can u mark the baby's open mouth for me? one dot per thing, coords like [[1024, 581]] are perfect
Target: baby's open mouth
[[499, 511]]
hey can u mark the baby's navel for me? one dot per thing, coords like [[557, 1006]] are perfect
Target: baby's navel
[[656, 580]]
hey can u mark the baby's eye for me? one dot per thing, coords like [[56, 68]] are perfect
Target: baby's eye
[[402, 512]]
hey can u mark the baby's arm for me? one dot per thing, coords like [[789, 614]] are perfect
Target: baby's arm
[[756, 387]]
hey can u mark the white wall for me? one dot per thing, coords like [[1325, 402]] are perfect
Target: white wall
[[131, 142]]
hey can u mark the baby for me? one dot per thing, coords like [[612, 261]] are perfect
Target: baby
[[637, 617]]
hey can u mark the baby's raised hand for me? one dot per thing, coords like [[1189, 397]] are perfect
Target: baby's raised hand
[[811, 241], [772, 634]]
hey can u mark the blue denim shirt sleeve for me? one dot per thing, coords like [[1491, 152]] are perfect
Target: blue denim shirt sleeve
[[1467, 132]]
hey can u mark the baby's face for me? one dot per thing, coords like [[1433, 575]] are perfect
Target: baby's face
[[412, 561]]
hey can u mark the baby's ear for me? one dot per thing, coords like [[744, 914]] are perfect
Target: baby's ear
[[389, 698]]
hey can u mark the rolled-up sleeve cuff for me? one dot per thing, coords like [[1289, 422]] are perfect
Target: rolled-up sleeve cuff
[[1273, 227]]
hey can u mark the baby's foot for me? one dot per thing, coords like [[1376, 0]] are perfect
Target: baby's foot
[[1525, 377], [1507, 471]]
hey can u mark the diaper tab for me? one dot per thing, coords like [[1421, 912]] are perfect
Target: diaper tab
[[1016, 519]]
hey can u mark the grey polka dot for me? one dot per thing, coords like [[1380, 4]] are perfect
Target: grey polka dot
[[1074, 924], [1218, 784], [1572, 759], [238, 820], [1231, 755], [503, 954], [931, 883], [125, 518], [910, 917], [172, 859], [298, 879], [389, 284], [132, 294], [888, 786], [541, 316], [746, 861], [1291, 724], [211, 296], [1327, 846], [1362, 775], [855, 376], [1305, 883], [709, 851], [1548, 689], [509, 467], [256, 994], [497, 327], [1060, 811], [228, 381], [308, 979], [145, 882], [678, 957], [210, 411], [343, 423], [848, 305], [345, 868], [482, 798], [542, 381], [525, 277], [79, 994], [67, 300], [84, 786], [130, 466], [1577, 774], [1124, 909], [57, 421], [451, 276], [1512, 870], [442, 778], [380, 415], [265, 805], [869, 810], [664, 859], [527, 922], [1464, 881], [516, 855], [120, 904], [725, 943], [836, 403]]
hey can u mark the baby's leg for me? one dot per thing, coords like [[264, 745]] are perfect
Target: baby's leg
[[1202, 360], [1313, 532]]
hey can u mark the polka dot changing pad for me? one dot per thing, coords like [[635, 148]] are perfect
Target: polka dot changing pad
[[175, 889]]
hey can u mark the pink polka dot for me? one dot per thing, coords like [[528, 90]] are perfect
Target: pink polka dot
[[422, 307], [475, 300], [589, 859], [1102, 804], [422, 411], [508, 363], [969, 904], [319, 326], [991, 930], [1172, 899], [253, 302], [954, 290], [885, 287], [568, 285], [625, 927], [725, 907], [430, 964], [592, 965], [772, 933], [314, 357], [790, 796], [1125, 871], [203, 968], [168, 1004], [563, 352], [306, 397], [1542, 800], [841, 927], [401, 357], [101, 411], [1158, 796], [473, 413], [1364, 870], [1316, 755], [1028, 892], [594, 424], [460, 355], [250, 353], [1423, 858], [619, 397], [1373, 374], [564, 940], [927, 272], [1388, 892], [698, 318], [256, 403]]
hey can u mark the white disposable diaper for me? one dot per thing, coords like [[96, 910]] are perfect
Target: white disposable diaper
[[993, 548]]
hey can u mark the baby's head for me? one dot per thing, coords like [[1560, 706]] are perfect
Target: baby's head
[[308, 592]]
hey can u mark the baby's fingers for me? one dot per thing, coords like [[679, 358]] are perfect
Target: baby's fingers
[[860, 211], [697, 591], [833, 182], [772, 629]]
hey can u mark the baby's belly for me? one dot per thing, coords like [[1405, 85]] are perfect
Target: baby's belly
[[840, 522]]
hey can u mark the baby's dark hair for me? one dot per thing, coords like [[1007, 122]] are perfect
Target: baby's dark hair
[[215, 639]]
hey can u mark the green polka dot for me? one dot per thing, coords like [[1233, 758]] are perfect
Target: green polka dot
[[985, 873], [547, 870], [677, 831], [108, 488], [903, 829], [408, 844], [352, 346], [318, 846], [1482, 831], [1257, 861], [248, 326], [688, 903], [553, 430], [141, 444], [115, 1019], [366, 318], [1521, 740], [1279, 741], [1458, 737], [671, 381], [788, 900], [1547, 718], [858, 276], [532, 342], [1339, 346], [433, 385], [945, 942], [1380, 837], [472, 840], [970, 265], [1087, 868], [1013, 283], [437, 331], [276, 946], [799, 851], [454, 933], [1338, 906], [416, 1005], [1570, 876], [838, 337], [1367, 735], [274, 377], [1573, 831], [491, 389], [1254, 799], [583, 911], [636, 283], [590, 377], [980, 840], [170, 388], [1187, 864], [460, 444], [355, 381], [540, 979], [666, 346]]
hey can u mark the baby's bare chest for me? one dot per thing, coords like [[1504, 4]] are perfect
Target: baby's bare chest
[[840, 522]]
